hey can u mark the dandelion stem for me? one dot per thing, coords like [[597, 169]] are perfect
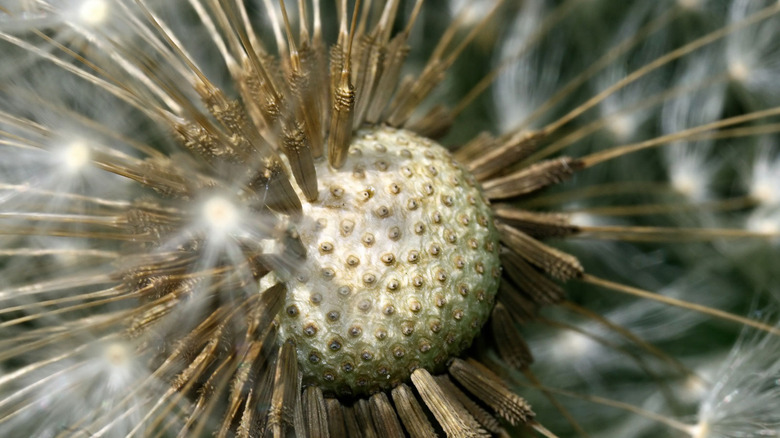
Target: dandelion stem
[[596, 125], [663, 60], [551, 20], [674, 424], [720, 314], [668, 234], [541, 429], [598, 190], [609, 154], [627, 334], [635, 357], [562, 409], [731, 204], [600, 64]]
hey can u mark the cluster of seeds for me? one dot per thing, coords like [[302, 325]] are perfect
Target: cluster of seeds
[[402, 265]]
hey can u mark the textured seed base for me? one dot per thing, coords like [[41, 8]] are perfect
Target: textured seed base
[[402, 266]]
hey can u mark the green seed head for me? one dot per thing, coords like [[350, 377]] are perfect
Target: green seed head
[[402, 265]]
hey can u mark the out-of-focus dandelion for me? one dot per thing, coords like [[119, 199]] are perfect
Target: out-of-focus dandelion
[[220, 218], [742, 397]]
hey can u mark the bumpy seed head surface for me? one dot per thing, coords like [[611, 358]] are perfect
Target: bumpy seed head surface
[[402, 265]]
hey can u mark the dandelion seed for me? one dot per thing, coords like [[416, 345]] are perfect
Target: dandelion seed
[[743, 397]]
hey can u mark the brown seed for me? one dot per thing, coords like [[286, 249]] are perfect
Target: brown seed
[[366, 194], [388, 258], [382, 211], [450, 236], [310, 329], [369, 278], [346, 227], [328, 273], [393, 285]]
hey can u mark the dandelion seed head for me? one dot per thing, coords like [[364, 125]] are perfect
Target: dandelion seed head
[[75, 156], [571, 345], [752, 55], [690, 171], [534, 75], [764, 220], [622, 126], [764, 181], [220, 215], [93, 12], [693, 388], [690, 4], [738, 70], [688, 184], [585, 219], [286, 248], [701, 430], [117, 365], [386, 288], [742, 398]]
